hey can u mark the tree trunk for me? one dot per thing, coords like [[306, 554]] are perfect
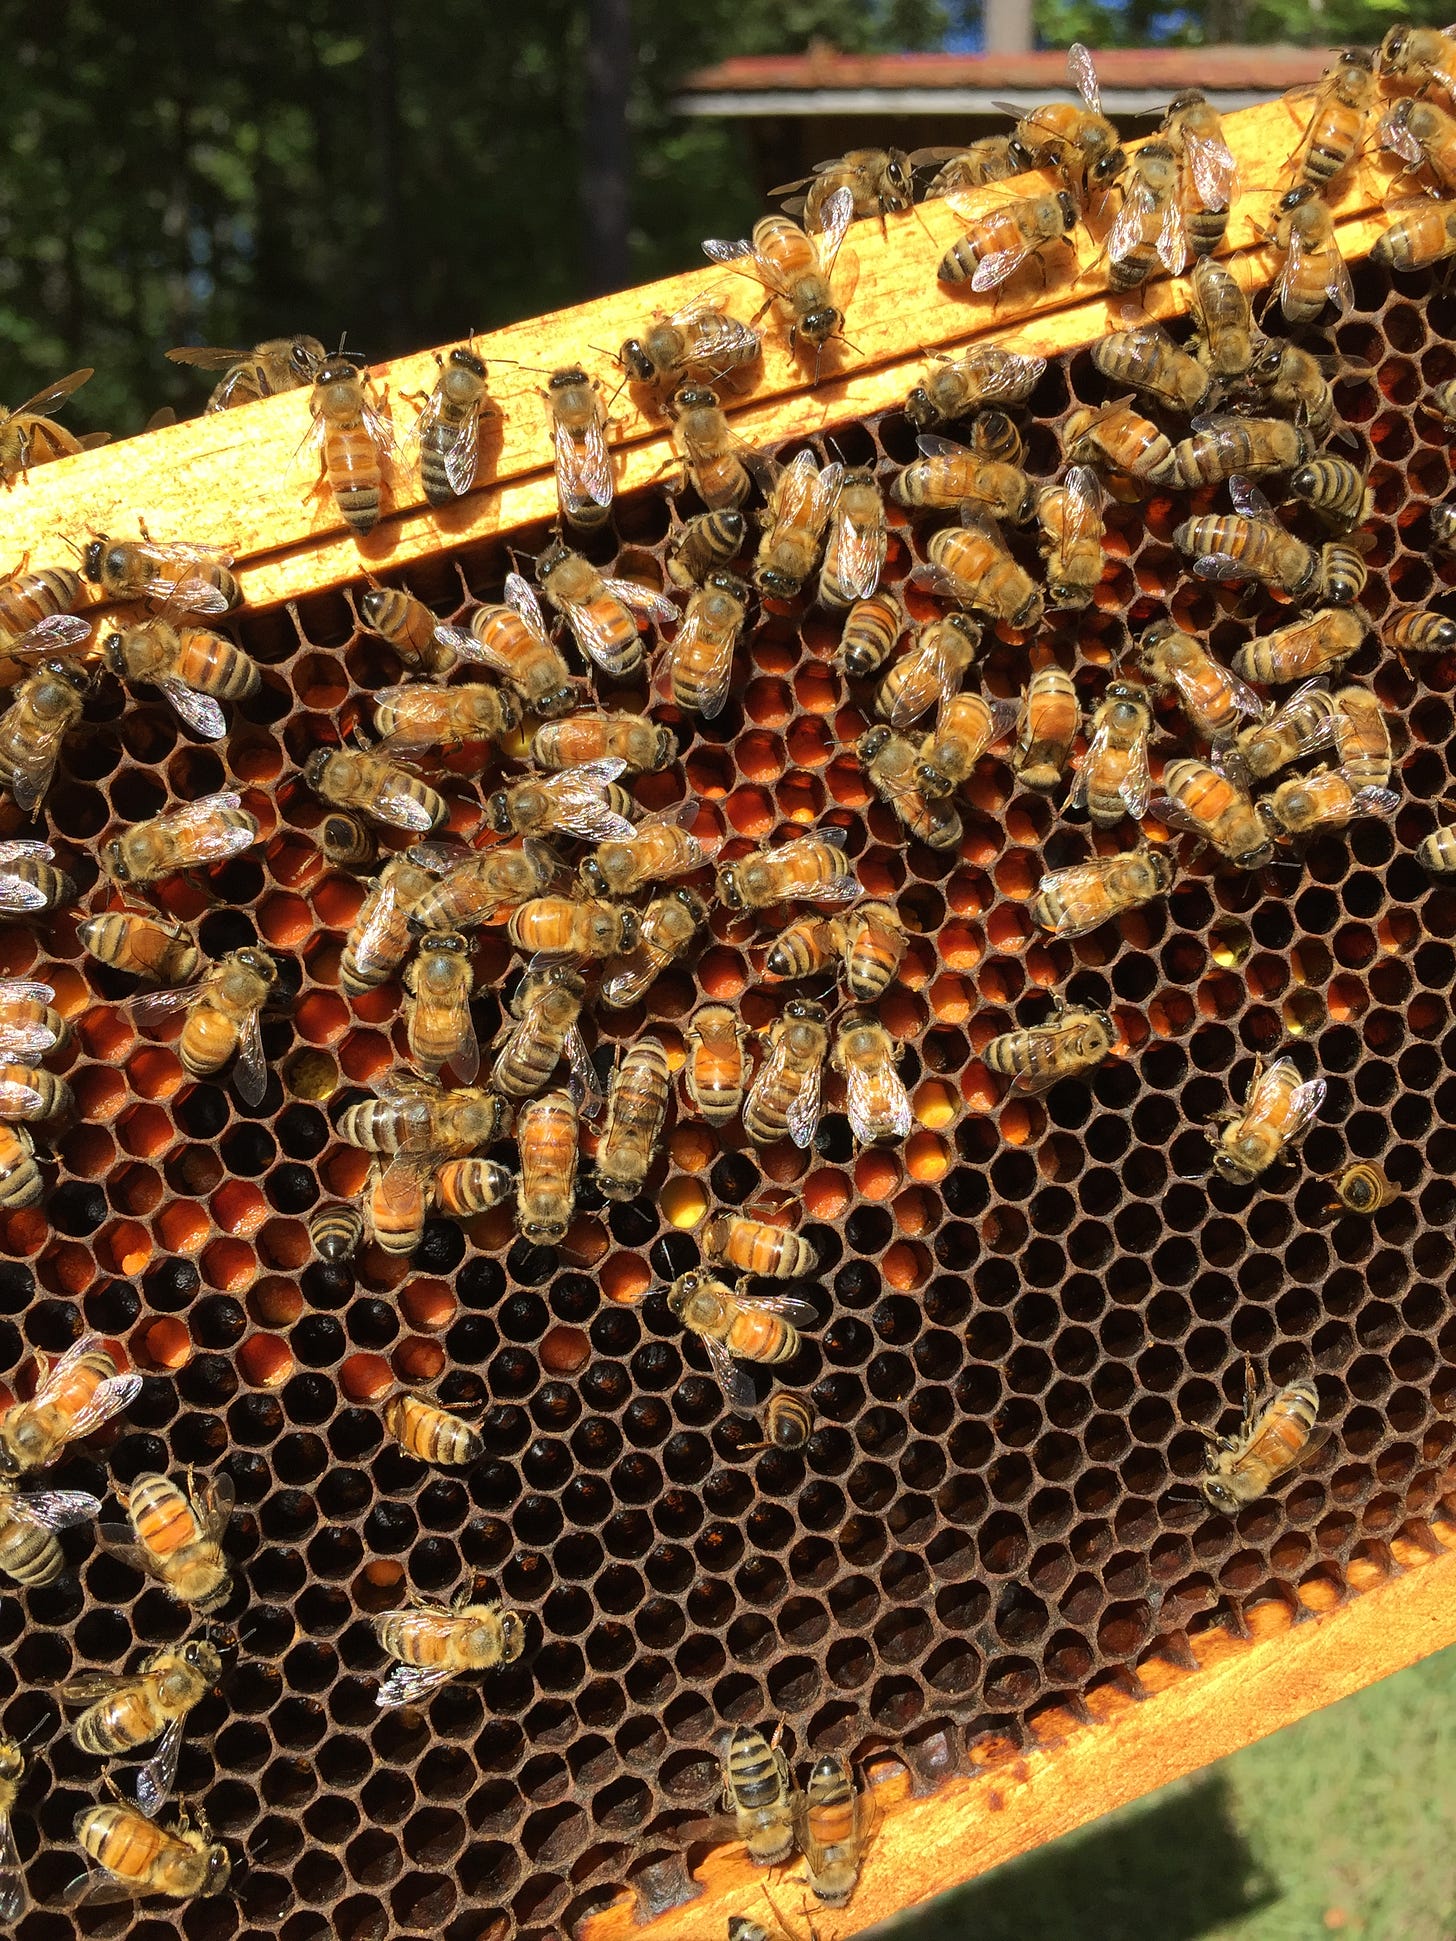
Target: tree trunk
[[606, 148]]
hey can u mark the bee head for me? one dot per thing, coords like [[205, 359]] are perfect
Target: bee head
[[630, 928], [566, 380], [635, 361], [466, 360], [114, 650], [72, 673], [337, 370], [691, 902], [202, 1656], [872, 741], [729, 894], [446, 943], [920, 410], [806, 1010], [594, 879], [729, 583], [513, 1636], [695, 397], [820, 325], [1220, 1496], [318, 761], [1296, 198], [897, 176], [1356, 57], [1188, 98], [498, 813], [307, 356], [1105, 170], [259, 962], [113, 860], [94, 557], [554, 555], [12, 1759], [681, 1292]]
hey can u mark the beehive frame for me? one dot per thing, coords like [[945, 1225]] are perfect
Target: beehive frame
[[894, 1617]]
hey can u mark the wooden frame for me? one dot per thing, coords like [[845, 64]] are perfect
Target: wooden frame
[[235, 480]]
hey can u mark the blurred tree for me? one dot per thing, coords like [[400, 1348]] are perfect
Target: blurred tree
[[1143, 23], [236, 169]]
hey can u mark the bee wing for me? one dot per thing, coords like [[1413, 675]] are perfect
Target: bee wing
[[54, 1509], [151, 1006], [578, 809], [157, 1777], [1398, 139], [1241, 694], [1136, 787], [724, 251], [1248, 499], [586, 1087], [465, 1063], [462, 452], [789, 1307], [994, 269], [212, 845], [1126, 233], [108, 1398], [866, 1092], [520, 596], [12, 1880], [201, 713], [1096, 748], [205, 357], [1172, 243], [94, 1685], [405, 1180], [583, 463], [192, 594], [642, 599], [802, 1117], [927, 660], [410, 1684], [714, 678], [214, 1504], [732, 1377], [862, 547], [1215, 174], [95, 1889], [1374, 801], [54, 395], [834, 220], [1084, 76], [58, 632], [380, 428], [17, 895], [1319, 736], [1338, 287], [15, 852], [17, 1098], [251, 1069], [793, 492], [33, 766], [398, 806]]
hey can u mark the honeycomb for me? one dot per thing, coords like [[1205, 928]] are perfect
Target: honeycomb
[[1023, 1315]]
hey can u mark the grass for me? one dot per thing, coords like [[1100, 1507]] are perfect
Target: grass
[[1338, 1826]]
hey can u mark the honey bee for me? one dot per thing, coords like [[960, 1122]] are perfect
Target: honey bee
[[150, 1703], [665, 931], [432, 1433], [875, 1097], [969, 564], [1209, 183], [1427, 235], [28, 1093], [396, 1203], [948, 475], [637, 1100], [379, 936], [1046, 728], [36, 617], [1304, 648], [415, 716], [146, 946], [582, 801], [29, 1552], [29, 1026], [801, 501], [1296, 383], [566, 926], [832, 1826], [955, 387], [1306, 805], [510, 638], [193, 667], [434, 1643], [1284, 734], [1249, 544], [1441, 399], [438, 1024], [704, 545], [345, 843], [464, 1187], [854, 551], [222, 1019], [46, 707], [699, 344], [373, 786], [1223, 445], [659, 848], [811, 869], [12, 1881], [1437, 852], [1276, 1436], [1070, 902], [546, 1007], [579, 443], [600, 612], [1424, 136], [1149, 228], [1206, 804], [175, 1536], [803, 949], [198, 833], [1279, 1109], [486, 881], [788, 1422], [73, 1397], [871, 629], [879, 180], [1078, 141], [784, 1096], [279, 364], [700, 658], [797, 269], [1363, 1188], [758, 1787], [546, 1188], [734, 1330], [1342, 98], [1070, 516], [1335, 490], [20, 1177], [1118, 439], [1002, 240], [1114, 779], [987, 160], [352, 439], [892, 764], [412, 1118], [1074, 1039], [638, 744], [1313, 272], [415, 633], [446, 434], [756, 1247], [138, 1857], [1147, 359], [964, 729], [336, 1232], [1226, 338], [1443, 527], [872, 944], [1411, 630], [932, 671], [715, 1070], [1362, 738], [30, 436], [709, 450], [1419, 55]]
